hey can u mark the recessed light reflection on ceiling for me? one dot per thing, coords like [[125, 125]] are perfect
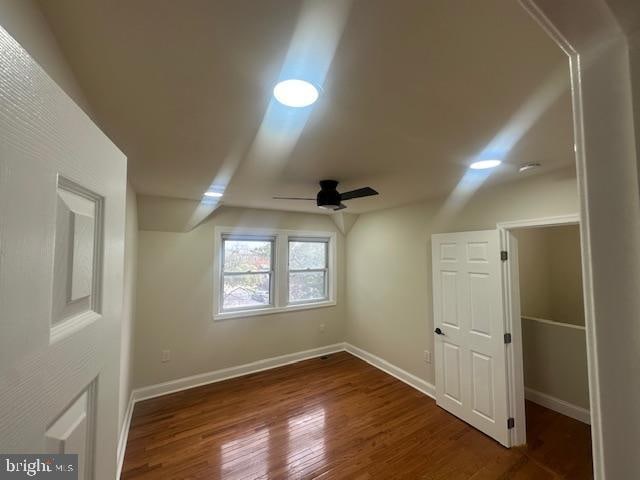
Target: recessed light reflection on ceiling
[[213, 194], [485, 164], [295, 93], [529, 166]]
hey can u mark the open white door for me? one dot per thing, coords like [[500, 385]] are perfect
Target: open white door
[[470, 353], [62, 201]]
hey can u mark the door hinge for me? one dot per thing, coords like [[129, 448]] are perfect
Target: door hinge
[[504, 255], [511, 422], [507, 338]]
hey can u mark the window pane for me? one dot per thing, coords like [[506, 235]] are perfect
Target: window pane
[[307, 286], [303, 255], [247, 256], [246, 291]]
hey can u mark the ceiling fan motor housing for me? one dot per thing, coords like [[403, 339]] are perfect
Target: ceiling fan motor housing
[[328, 196]]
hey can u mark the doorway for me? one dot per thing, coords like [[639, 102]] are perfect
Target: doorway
[[549, 383]]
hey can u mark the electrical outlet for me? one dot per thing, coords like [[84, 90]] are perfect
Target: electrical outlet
[[166, 356], [427, 356], [321, 327]]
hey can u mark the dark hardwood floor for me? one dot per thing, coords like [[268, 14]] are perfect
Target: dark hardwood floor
[[336, 418]]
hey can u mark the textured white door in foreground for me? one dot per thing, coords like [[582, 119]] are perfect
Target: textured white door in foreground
[[62, 200], [470, 361]]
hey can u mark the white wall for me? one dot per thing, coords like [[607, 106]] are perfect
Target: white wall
[[567, 299], [551, 273], [128, 303], [175, 303], [25, 22], [535, 272], [554, 348], [389, 296], [555, 361]]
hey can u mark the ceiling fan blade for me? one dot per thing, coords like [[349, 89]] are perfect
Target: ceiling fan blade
[[360, 192], [342, 206], [292, 198]]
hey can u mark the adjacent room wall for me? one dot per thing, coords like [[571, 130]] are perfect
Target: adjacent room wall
[[389, 296], [555, 361], [551, 273], [175, 302], [535, 272], [552, 305]]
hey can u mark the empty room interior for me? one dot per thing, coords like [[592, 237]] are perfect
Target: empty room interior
[[333, 239]]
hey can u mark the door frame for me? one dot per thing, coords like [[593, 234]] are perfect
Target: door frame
[[513, 320], [598, 50]]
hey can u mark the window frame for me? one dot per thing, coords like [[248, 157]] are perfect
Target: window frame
[[280, 268], [325, 270], [271, 272]]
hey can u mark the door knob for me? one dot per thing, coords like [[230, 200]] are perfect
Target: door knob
[[438, 331]]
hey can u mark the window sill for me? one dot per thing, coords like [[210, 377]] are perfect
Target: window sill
[[272, 310]]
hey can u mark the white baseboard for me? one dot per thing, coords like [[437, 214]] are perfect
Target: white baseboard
[[402, 375], [557, 405], [185, 383], [124, 433]]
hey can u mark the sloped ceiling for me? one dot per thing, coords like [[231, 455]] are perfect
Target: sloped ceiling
[[412, 92]]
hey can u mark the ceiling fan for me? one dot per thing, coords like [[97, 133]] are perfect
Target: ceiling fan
[[328, 197]]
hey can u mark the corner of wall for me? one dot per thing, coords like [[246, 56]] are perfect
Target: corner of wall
[[127, 326]]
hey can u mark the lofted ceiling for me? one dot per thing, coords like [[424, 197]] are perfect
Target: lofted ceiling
[[412, 92]]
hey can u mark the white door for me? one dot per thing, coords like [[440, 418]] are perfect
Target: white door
[[62, 200], [470, 353]]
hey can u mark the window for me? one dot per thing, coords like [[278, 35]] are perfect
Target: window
[[260, 272], [247, 275], [308, 270]]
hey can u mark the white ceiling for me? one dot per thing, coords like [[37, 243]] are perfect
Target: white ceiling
[[414, 91]]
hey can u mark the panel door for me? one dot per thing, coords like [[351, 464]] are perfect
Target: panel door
[[470, 354], [62, 200]]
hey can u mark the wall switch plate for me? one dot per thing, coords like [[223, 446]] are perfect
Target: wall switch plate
[[166, 356], [427, 356]]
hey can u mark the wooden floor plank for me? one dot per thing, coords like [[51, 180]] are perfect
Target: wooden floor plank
[[337, 418]]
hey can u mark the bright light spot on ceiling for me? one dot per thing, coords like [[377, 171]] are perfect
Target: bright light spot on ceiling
[[484, 164], [213, 194], [295, 93]]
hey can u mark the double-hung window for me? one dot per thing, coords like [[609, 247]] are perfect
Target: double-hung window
[[268, 271], [247, 272], [308, 270]]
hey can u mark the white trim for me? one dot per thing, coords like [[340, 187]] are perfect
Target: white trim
[[570, 219], [514, 351], [185, 383], [280, 277], [554, 324], [272, 310], [65, 328], [550, 29], [558, 405], [402, 375], [214, 376], [124, 434]]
